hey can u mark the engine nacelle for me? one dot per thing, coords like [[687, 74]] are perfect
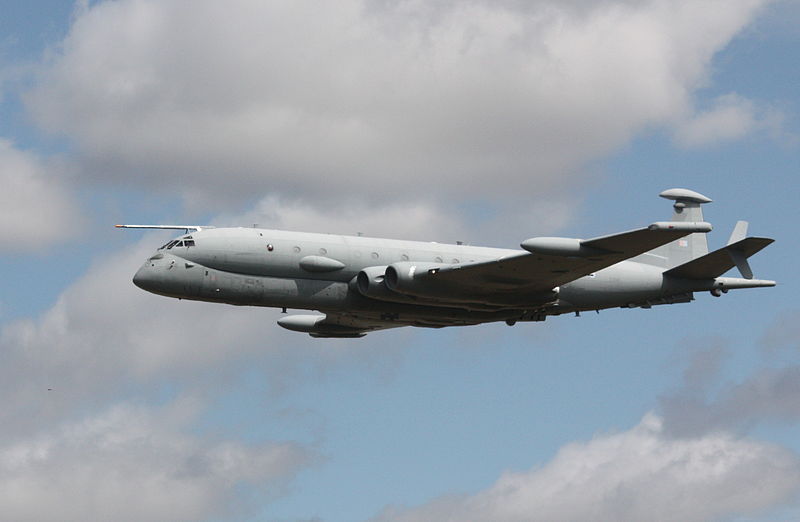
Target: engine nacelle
[[418, 281], [403, 278], [370, 282]]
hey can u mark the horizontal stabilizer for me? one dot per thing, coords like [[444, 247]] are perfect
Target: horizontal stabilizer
[[716, 263], [732, 283]]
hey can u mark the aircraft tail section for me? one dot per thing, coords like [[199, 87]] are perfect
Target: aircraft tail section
[[687, 208], [720, 261]]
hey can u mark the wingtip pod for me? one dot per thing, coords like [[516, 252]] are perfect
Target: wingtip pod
[[315, 326], [301, 323], [732, 283], [685, 226]]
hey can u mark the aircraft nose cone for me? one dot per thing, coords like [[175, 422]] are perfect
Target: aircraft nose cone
[[145, 277]]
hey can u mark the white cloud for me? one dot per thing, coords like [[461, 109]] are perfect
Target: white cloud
[[416, 221], [103, 335], [67, 438], [421, 220], [134, 463], [103, 328], [37, 209], [379, 101], [731, 117], [640, 474]]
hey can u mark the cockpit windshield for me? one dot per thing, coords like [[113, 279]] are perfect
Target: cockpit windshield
[[181, 242]]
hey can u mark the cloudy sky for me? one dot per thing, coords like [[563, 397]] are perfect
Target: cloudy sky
[[482, 121]]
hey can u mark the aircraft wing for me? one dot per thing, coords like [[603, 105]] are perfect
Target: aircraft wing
[[550, 262]]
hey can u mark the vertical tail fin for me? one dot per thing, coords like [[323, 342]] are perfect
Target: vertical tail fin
[[739, 232], [686, 209]]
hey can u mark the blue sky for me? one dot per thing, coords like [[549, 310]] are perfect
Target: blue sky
[[484, 122]]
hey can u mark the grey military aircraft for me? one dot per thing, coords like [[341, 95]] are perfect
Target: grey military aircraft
[[362, 284]]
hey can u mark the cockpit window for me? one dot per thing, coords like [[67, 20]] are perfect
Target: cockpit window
[[188, 241]]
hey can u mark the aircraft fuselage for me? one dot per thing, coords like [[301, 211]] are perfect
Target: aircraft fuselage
[[364, 284], [272, 268]]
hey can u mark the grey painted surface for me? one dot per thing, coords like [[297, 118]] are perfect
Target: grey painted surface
[[363, 284]]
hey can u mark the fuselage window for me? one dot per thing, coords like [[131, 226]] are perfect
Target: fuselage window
[[189, 242]]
